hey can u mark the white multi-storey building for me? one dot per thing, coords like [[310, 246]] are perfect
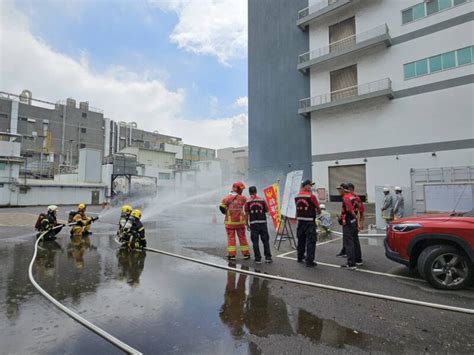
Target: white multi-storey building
[[391, 89]]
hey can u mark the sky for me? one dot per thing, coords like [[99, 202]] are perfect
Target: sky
[[176, 66]]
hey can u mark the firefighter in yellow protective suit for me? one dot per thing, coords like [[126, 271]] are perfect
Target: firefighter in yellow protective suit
[[134, 232], [125, 214], [83, 223]]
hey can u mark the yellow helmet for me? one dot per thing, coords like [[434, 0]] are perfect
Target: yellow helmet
[[137, 214], [126, 209], [81, 207]]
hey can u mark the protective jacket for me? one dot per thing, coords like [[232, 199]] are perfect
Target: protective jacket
[[307, 206], [256, 208], [399, 207], [134, 233], [83, 224], [47, 222], [123, 220], [234, 217], [387, 207], [347, 210]]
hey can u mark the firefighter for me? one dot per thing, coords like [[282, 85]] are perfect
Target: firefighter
[[134, 231], [359, 210], [83, 223], [256, 220], [307, 209], [348, 221], [233, 206], [126, 210], [387, 206], [46, 222], [399, 207]]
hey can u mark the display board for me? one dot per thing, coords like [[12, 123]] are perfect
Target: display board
[[448, 197], [292, 187]]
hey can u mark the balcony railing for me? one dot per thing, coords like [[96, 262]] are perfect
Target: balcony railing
[[382, 87], [314, 8], [346, 44]]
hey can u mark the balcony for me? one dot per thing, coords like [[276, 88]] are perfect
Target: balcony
[[346, 96], [318, 11], [349, 45]]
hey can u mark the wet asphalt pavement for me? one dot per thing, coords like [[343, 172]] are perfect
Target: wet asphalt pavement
[[159, 304]]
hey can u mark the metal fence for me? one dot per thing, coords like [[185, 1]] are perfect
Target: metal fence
[[316, 7], [344, 44], [357, 90]]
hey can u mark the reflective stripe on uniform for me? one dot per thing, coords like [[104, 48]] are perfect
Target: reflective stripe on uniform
[[305, 219], [142, 228], [253, 222], [232, 248], [244, 247]]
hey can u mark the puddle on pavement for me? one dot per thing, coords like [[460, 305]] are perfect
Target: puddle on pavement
[[156, 303]]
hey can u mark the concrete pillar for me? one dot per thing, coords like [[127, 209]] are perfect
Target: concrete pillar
[[14, 117]]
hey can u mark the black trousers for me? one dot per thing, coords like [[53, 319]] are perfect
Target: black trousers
[[357, 249], [349, 236], [49, 234], [260, 231], [306, 234]]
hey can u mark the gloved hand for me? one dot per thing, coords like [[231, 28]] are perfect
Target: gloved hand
[[93, 219]]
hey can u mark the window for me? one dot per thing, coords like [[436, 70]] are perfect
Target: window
[[449, 60], [465, 56], [84, 115], [427, 8], [444, 4], [83, 130], [3, 166], [439, 62], [82, 145], [3, 115], [435, 64], [421, 67], [407, 16], [419, 11], [409, 70], [432, 7]]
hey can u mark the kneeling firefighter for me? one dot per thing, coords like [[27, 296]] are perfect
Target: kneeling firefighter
[[47, 224], [83, 223], [133, 235], [126, 211]]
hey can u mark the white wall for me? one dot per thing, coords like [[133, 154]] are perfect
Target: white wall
[[173, 148], [41, 195], [387, 170], [437, 116]]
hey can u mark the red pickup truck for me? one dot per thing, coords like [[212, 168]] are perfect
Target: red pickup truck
[[441, 247]]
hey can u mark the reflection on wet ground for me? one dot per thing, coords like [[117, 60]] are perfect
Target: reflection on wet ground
[[156, 303]]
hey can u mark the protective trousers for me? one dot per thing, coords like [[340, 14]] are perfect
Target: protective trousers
[[231, 244], [357, 249], [260, 230], [348, 240], [306, 234]]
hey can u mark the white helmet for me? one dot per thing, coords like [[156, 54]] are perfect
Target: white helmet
[[386, 189], [398, 188], [322, 206], [52, 208]]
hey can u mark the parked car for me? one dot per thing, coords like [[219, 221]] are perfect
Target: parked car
[[441, 247]]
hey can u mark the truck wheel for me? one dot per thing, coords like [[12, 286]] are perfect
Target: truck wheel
[[445, 267]]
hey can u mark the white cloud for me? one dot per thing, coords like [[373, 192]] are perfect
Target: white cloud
[[242, 102], [210, 27], [27, 62]]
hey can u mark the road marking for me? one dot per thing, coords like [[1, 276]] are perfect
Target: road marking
[[318, 285], [362, 270], [329, 241]]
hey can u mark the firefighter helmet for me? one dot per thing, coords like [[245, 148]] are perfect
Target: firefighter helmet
[[137, 214], [322, 206], [126, 209], [81, 207], [52, 208], [238, 186]]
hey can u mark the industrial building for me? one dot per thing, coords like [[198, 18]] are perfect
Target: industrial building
[[390, 87], [46, 149], [234, 163]]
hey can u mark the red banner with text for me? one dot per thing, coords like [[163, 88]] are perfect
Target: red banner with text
[[271, 197]]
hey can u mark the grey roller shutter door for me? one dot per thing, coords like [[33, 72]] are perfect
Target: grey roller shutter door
[[349, 173]]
